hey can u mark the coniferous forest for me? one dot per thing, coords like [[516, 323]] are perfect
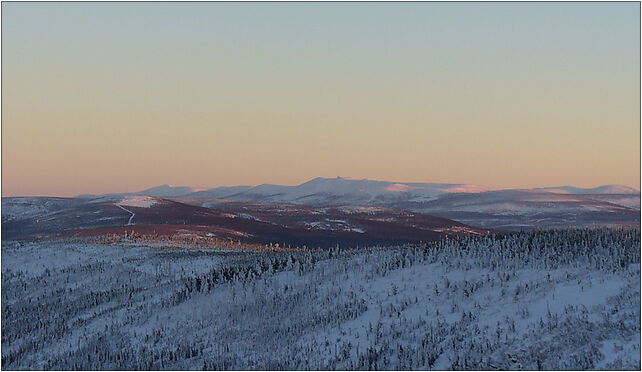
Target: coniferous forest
[[559, 299]]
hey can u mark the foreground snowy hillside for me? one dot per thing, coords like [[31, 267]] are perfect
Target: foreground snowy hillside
[[541, 300]]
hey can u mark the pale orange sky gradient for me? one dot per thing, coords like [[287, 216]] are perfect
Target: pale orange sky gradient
[[116, 97]]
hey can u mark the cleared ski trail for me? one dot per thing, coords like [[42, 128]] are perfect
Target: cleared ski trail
[[129, 223]]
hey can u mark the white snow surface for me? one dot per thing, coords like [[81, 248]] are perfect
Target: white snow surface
[[483, 304], [606, 189], [167, 191], [366, 188], [138, 201], [361, 189], [422, 197], [30, 207]]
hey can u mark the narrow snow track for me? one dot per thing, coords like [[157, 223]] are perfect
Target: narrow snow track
[[129, 223]]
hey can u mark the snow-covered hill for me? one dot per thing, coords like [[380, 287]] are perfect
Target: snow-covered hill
[[479, 206], [352, 191], [509, 209], [33, 207], [340, 190], [162, 191], [166, 191], [253, 223], [606, 189], [343, 190], [526, 209], [546, 300]]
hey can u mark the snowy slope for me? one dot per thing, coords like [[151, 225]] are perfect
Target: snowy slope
[[347, 191], [166, 191], [606, 189], [334, 191], [544, 300], [163, 191], [220, 192], [343, 190], [20, 208], [478, 206], [138, 201], [509, 209], [320, 187], [627, 200], [526, 209]]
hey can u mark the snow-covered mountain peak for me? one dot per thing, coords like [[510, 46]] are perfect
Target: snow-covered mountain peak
[[166, 191], [342, 185]]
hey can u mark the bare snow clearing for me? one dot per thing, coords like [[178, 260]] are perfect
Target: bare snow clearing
[[138, 201]]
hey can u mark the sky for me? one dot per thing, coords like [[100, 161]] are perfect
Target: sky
[[116, 97]]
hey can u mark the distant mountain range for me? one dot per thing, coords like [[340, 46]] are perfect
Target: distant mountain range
[[506, 209], [606, 189], [327, 211], [363, 189]]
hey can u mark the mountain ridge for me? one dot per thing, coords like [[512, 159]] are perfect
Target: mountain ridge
[[473, 205], [346, 185]]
